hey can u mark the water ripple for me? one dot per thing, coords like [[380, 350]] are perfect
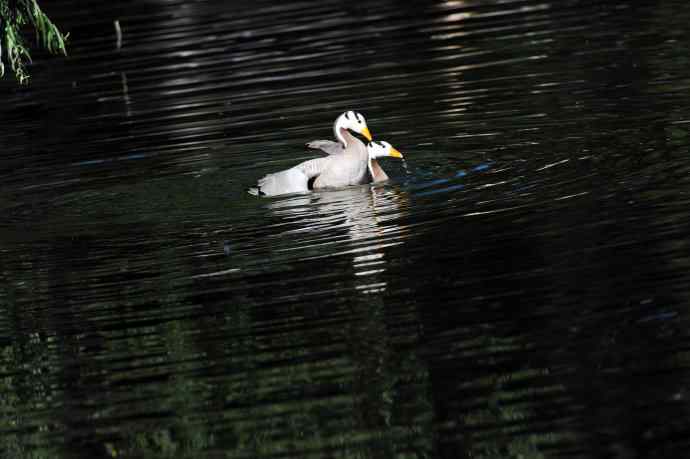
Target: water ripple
[[516, 289]]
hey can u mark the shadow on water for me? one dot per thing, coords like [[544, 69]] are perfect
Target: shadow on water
[[519, 289]]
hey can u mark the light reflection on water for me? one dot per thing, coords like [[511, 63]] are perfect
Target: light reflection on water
[[367, 216], [519, 288]]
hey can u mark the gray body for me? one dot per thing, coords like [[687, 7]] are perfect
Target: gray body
[[376, 172], [349, 166]]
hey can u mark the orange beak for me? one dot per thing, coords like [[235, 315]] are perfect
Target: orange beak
[[395, 153], [365, 132]]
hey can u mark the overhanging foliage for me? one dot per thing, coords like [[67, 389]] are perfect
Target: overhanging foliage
[[15, 15]]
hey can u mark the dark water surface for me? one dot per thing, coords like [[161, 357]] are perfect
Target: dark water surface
[[519, 290]]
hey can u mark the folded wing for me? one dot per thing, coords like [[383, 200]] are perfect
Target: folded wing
[[327, 146], [293, 180]]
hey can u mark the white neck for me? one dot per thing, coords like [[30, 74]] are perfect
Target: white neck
[[336, 130], [376, 171]]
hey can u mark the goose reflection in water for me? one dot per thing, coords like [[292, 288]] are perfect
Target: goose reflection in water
[[360, 221], [350, 236]]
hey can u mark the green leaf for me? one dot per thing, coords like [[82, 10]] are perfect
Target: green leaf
[[16, 52]]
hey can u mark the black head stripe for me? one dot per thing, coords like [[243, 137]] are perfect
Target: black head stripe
[[347, 115]]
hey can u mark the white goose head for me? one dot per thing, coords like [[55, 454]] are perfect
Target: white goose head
[[379, 149], [353, 121]]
